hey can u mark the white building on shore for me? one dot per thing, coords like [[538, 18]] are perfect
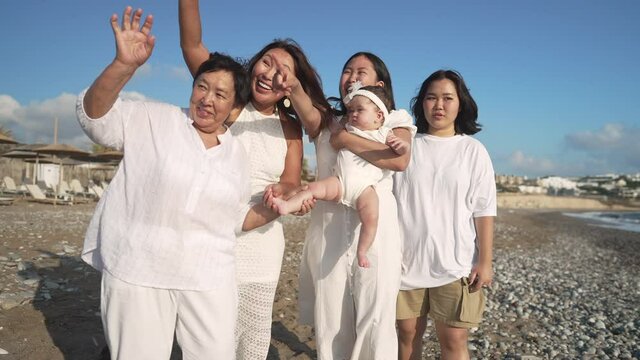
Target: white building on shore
[[556, 185]]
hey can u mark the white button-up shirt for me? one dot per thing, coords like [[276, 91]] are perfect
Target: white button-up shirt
[[168, 217]]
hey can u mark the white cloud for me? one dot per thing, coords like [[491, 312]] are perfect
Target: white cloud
[[34, 122], [163, 71], [180, 72], [527, 164], [614, 144], [609, 137], [8, 106], [614, 148]]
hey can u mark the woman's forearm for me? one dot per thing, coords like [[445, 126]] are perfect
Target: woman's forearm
[[484, 234], [309, 115], [257, 216], [104, 91], [380, 155], [193, 50]]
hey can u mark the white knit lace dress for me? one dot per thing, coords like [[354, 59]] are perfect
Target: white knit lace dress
[[258, 252]]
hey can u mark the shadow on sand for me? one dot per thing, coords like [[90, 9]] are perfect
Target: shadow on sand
[[68, 296]]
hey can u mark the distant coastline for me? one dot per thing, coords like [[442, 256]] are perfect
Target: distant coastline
[[538, 201]]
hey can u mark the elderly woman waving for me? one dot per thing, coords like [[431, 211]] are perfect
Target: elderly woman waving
[[163, 235]]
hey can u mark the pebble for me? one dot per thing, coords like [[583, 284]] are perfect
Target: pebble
[[26, 269], [572, 295], [556, 299]]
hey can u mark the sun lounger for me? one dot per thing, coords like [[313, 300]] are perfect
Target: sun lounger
[[64, 187], [64, 192], [9, 187], [97, 190], [6, 200], [78, 189], [38, 196]]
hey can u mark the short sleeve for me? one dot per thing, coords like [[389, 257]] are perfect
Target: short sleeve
[[484, 185], [400, 119], [107, 130]]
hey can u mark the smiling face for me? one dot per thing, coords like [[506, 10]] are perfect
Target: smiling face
[[363, 114], [263, 96], [358, 69], [212, 98], [441, 106]]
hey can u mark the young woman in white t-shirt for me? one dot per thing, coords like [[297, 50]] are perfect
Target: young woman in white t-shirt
[[446, 206]]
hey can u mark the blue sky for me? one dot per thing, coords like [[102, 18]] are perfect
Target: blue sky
[[555, 81]]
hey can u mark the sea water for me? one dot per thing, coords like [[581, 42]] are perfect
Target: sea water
[[622, 220]]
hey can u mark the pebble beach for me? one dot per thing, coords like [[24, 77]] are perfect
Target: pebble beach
[[563, 288]]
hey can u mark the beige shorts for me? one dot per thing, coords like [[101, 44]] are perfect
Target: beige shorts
[[451, 304]]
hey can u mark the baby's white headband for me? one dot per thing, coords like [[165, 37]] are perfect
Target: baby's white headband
[[356, 91]]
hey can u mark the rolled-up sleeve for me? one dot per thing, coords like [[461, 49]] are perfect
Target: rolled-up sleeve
[[107, 130], [400, 119]]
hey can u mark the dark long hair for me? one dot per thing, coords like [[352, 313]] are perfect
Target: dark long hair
[[382, 73], [306, 74], [466, 121]]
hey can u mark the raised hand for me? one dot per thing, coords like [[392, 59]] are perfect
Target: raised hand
[[284, 80], [134, 44]]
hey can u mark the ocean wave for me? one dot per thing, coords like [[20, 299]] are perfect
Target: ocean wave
[[622, 220]]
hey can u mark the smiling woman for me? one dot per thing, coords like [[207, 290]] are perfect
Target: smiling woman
[[163, 234], [215, 93], [285, 93]]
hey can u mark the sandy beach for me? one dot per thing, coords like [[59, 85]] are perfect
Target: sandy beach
[[563, 288]]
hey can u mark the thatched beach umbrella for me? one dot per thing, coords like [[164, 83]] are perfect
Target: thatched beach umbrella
[[4, 139], [111, 155], [26, 152], [108, 158], [60, 151]]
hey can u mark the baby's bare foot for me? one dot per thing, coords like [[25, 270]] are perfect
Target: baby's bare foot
[[280, 206]]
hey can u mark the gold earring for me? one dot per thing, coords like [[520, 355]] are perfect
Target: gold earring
[[286, 102]]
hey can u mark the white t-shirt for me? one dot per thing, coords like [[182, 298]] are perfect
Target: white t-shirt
[[168, 218], [448, 183]]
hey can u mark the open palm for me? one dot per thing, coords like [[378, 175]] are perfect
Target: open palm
[[134, 44]]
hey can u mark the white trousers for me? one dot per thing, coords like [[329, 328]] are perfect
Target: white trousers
[[139, 322]]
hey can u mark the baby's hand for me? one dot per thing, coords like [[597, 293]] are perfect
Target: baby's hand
[[397, 144]]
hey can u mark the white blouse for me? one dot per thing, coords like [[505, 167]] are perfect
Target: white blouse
[[169, 215]]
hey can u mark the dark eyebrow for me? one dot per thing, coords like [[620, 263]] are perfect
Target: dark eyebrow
[[432, 93]]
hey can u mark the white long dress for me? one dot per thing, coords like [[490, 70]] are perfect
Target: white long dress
[[259, 252], [352, 308]]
